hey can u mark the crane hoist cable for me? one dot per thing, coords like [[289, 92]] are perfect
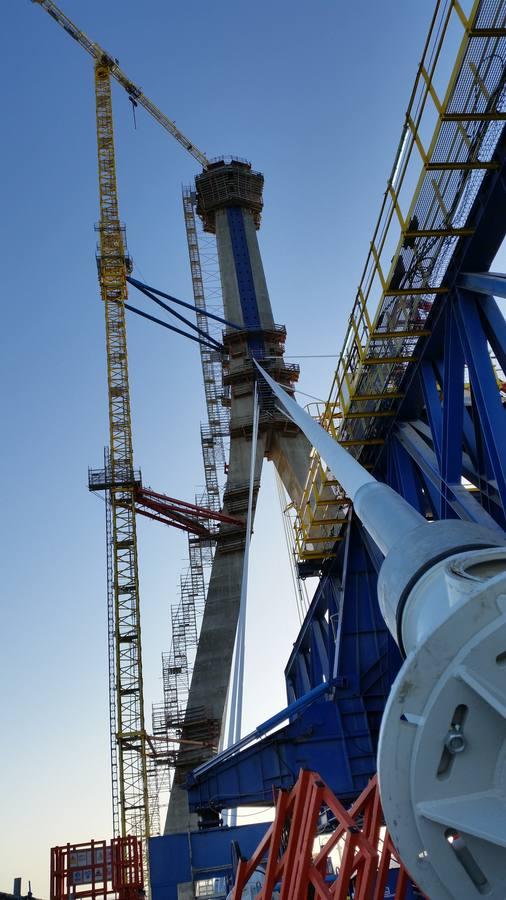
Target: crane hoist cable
[[135, 94]]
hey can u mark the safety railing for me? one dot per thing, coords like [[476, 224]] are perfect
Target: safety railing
[[446, 147]]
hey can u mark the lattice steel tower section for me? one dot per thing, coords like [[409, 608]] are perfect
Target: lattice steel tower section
[[119, 480]]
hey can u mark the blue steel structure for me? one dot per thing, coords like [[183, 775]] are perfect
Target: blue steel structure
[[435, 432], [338, 678], [442, 449], [450, 425], [200, 856]]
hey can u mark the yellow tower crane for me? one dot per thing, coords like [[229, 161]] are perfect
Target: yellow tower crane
[[120, 482], [129, 740]]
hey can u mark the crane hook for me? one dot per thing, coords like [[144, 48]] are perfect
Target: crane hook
[[134, 104]]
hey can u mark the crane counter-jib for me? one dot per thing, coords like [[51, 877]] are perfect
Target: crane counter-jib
[[135, 94]]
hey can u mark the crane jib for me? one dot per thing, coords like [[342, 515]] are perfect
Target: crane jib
[[100, 55]]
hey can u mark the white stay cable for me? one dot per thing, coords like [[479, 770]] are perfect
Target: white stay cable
[[236, 687], [299, 588]]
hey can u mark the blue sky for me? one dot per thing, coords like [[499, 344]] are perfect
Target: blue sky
[[314, 94]]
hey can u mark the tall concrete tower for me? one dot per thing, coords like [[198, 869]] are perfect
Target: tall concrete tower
[[229, 202]]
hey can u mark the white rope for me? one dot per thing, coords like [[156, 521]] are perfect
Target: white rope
[[236, 687]]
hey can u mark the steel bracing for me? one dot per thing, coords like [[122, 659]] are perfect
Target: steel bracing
[[358, 837], [120, 481]]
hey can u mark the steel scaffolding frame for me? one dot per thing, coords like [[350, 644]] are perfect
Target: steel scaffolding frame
[[120, 481], [214, 433]]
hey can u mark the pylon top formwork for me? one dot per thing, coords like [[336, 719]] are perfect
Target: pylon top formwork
[[228, 184]]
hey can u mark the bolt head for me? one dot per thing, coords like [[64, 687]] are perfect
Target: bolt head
[[455, 741]]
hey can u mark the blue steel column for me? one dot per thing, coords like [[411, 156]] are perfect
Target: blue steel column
[[454, 430]]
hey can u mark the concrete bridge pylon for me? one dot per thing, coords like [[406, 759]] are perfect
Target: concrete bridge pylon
[[229, 202]]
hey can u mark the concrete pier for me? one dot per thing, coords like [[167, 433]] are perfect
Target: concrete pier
[[230, 204]]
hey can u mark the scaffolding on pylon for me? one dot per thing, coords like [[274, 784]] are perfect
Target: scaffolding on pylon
[[214, 433], [356, 856], [172, 713], [169, 716]]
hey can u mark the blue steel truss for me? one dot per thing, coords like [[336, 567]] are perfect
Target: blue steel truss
[[444, 451]]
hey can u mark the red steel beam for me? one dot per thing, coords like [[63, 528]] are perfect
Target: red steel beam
[[180, 514], [289, 862]]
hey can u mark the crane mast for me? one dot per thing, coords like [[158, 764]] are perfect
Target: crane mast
[[120, 482], [136, 95]]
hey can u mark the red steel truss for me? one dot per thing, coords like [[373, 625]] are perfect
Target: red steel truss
[[189, 517], [98, 870], [287, 849]]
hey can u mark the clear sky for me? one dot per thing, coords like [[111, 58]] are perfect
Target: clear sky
[[314, 94]]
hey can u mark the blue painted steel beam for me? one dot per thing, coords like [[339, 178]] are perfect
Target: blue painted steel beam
[[462, 503], [214, 346], [198, 309], [495, 328], [452, 412], [204, 334], [492, 283], [330, 736], [292, 709], [484, 387], [409, 485], [325, 605], [176, 859], [432, 404]]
